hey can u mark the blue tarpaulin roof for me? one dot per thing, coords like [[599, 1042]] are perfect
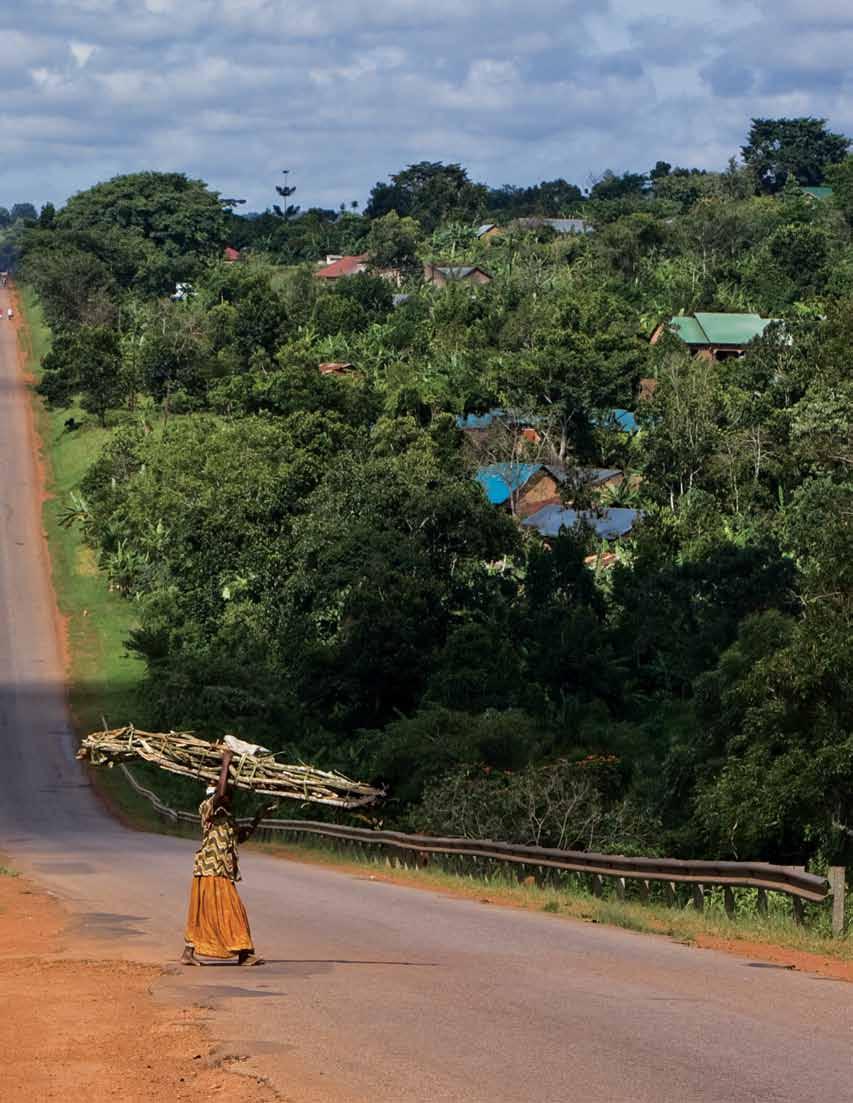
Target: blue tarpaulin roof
[[478, 421], [608, 525], [501, 480], [625, 420]]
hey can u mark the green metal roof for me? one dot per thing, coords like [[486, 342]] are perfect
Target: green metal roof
[[719, 329], [732, 329], [819, 192], [689, 330]]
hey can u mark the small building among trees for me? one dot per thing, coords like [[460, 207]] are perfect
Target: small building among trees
[[342, 267], [717, 336], [526, 488], [441, 275]]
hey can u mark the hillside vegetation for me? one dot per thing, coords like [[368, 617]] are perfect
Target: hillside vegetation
[[313, 564]]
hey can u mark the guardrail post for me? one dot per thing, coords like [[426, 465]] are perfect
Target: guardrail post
[[761, 903], [619, 885], [699, 897], [837, 877], [669, 893], [729, 901], [597, 884], [797, 902]]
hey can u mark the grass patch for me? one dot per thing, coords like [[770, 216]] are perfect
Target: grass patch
[[5, 871], [104, 680]]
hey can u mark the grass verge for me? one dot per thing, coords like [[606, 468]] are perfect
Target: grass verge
[[103, 679]]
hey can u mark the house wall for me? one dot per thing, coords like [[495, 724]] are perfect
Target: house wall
[[436, 278], [606, 484], [542, 490]]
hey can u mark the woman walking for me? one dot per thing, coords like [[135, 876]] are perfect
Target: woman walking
[[217, 924]]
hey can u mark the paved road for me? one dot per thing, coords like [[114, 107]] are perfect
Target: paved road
[[376, 992]]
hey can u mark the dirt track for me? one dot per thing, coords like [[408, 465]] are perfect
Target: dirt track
[[373, 991], [85, 1030]]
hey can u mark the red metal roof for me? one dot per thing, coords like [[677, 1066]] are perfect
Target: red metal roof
[[231, 254], [346, 266]]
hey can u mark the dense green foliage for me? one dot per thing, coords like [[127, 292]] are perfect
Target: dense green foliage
[[313, 564], [802, 148]]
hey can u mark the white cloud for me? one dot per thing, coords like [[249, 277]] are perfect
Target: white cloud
[[345, 93], [81, 52]]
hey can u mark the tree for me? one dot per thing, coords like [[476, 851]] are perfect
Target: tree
[[75, 287], [386, 558], [685, 411], [780, 704], [24, 212], [550, 198], [88, 363], [801, 147], [626, 242], [453, 238], [180, 215], [285, 191], [572, 355], [790, 265], [840, 179], [430, 192], [611, 186], [393, 242]]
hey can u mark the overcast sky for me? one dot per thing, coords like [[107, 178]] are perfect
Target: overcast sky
[[344, 92]]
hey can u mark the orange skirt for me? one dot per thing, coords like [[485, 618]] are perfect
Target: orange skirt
[[217, 924]]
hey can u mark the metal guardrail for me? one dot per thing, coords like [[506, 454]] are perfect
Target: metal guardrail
[[417, 850]]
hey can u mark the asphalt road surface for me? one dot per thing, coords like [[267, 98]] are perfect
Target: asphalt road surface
[[375, 992]]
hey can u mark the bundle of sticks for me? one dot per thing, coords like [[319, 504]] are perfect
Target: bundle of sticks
[[252, 768]]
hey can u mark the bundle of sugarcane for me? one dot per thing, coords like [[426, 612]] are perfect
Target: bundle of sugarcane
[[253, 768]]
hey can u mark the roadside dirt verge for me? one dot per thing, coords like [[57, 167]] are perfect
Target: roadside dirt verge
[[82, 1031], [786, 958]]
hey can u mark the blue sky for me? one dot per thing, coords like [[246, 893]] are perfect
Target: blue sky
[[343, 92]]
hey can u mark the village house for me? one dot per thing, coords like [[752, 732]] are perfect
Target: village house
[[818, 192], [482, 429], [440, 275], [560, 226], [525, 488], [607, 524], [230, 255], [340, 267], [716, 336]]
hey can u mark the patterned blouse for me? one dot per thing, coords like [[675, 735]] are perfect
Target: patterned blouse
[[217, 856]]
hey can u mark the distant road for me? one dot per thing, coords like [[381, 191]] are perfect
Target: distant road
[[376, 993]]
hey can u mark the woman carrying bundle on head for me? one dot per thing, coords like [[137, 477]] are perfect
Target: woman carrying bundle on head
[[217, 924]]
